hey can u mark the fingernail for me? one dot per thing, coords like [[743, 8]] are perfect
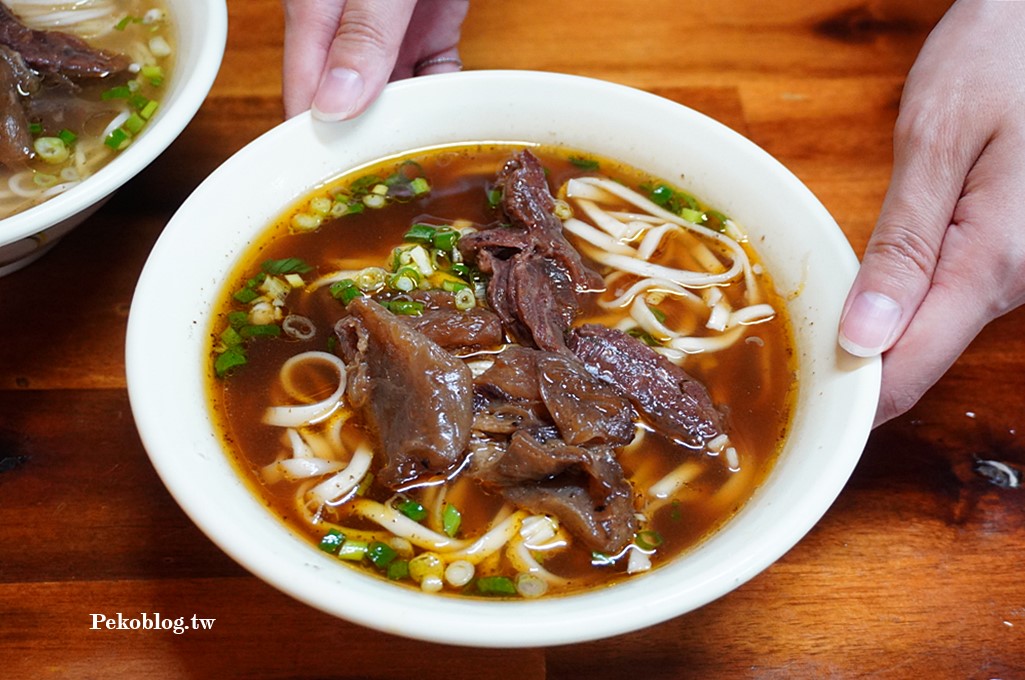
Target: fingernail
[[337, 94], [869, 325]]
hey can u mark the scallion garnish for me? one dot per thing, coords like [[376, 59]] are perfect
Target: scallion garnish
[[345, 290], [584, 163], [260, 330], [118, 139], [398, 570], [352, 551], [445, 239], [405, 307], [229, 359], [381, 554], [451, 519], [332, 541], [420, 233], [496, 585], [231, 337], [648, 539], [412, 510], [288, 265]]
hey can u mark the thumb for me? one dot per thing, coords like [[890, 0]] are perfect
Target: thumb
[[361, 57], [901, 256]]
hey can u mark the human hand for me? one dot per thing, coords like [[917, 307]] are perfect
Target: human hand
[[339, 54], [948, 252]]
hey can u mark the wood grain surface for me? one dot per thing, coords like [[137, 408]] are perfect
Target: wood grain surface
[[916, 571]]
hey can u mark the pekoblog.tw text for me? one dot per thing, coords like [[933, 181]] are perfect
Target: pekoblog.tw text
[[150, 621]]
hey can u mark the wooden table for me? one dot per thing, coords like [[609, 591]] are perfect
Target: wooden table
[[916, 571]]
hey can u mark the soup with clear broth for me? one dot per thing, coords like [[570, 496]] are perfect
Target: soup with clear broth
[[502, 370]]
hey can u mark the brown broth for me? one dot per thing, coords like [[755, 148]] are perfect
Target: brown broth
[[754, 380]]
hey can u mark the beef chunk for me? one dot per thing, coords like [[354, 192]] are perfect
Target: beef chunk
[[415, 396], [537, 278], [526, 386], [56, 52], [670, 400], [456, 329], [15, 138], [583, 486]]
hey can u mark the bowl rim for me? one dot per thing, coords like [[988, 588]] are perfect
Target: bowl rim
[[212, 17], [374, 603]]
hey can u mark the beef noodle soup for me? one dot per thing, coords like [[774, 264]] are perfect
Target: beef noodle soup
[[492, 370], [78, 82]]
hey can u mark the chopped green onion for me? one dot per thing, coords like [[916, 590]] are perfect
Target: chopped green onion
[[405, 307], [657, 313], [245, 295], [691, 215], [494, 197], [154, 74], [67, 136], [453, 285], [35, 129], [232, 357], [123, 24], [118, 139], [451, 519], [465, 299], [661, 194], [320, 205], [42, 179], [648, 539], [332, 541], [599, 559], [371, 279], [420, 233], [352, 551], [231, 337], [260, 330], [496, 585], [374, 200], [445, 240], [405, 279], [237, 319], [53, 150], [462, 271], [398, 570], [303, 221], [287, 265], [412, 510], [134, 123], [381, 554], [149, 108], [420, 186], [644, 336], [345, 290], [584, 163], [117, 92], [368, 479]]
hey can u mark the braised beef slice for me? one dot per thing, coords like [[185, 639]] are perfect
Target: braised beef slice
[[57, 52], [585, 410], [671, 401], [15, 138], [537, 278], [456, 329], [525, 387], [583, 486], [528, 204], [416, 397]]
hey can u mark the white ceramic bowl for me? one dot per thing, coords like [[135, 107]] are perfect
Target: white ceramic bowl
[[803, 248], [201, 31]]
